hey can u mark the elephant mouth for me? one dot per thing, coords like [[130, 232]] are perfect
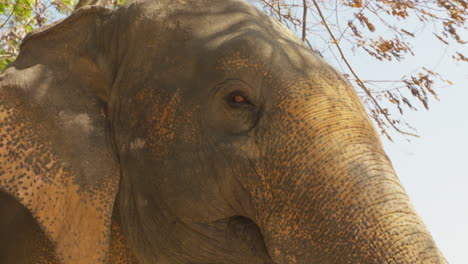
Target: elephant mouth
[[238, 239]]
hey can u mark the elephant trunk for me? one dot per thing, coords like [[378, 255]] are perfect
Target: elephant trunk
[[368, 220], [330, 194]]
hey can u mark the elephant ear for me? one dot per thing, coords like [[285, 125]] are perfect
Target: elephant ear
[[56, 154]]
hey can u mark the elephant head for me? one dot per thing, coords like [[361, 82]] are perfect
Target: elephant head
[[209, 131]]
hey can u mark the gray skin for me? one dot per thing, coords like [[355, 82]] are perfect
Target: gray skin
[[190, 132]]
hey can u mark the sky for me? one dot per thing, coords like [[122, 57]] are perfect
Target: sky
[[434, 168]]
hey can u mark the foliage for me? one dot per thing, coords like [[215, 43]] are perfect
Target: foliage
[[382, 29], [18, 17]]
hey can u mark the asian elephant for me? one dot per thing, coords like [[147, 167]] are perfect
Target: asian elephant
[[192, 132]]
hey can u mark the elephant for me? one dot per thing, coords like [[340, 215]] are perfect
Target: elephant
[[192, 132]]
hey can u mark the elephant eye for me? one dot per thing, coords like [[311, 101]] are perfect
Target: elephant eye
[[237, 99]]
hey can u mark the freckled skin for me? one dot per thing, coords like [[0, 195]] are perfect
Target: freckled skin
[[192, 132], [59, 168]]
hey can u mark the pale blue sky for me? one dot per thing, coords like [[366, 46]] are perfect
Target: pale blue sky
[[434, 169]]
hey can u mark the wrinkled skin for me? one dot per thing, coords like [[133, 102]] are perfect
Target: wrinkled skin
[[177, 132]]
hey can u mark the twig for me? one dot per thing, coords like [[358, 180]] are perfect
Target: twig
[[384, 81], [279, 11], [273, 8], [9, 16], [304, 18], [4, 56], [361, 83], [82, 3]]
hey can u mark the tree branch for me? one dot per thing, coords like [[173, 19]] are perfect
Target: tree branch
[[5, 56], [9, 16], [82, 3], [304, 19], [359, 81], [277, 10]]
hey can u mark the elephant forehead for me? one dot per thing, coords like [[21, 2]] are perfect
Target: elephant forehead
[[211, 22], [234, 19]]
